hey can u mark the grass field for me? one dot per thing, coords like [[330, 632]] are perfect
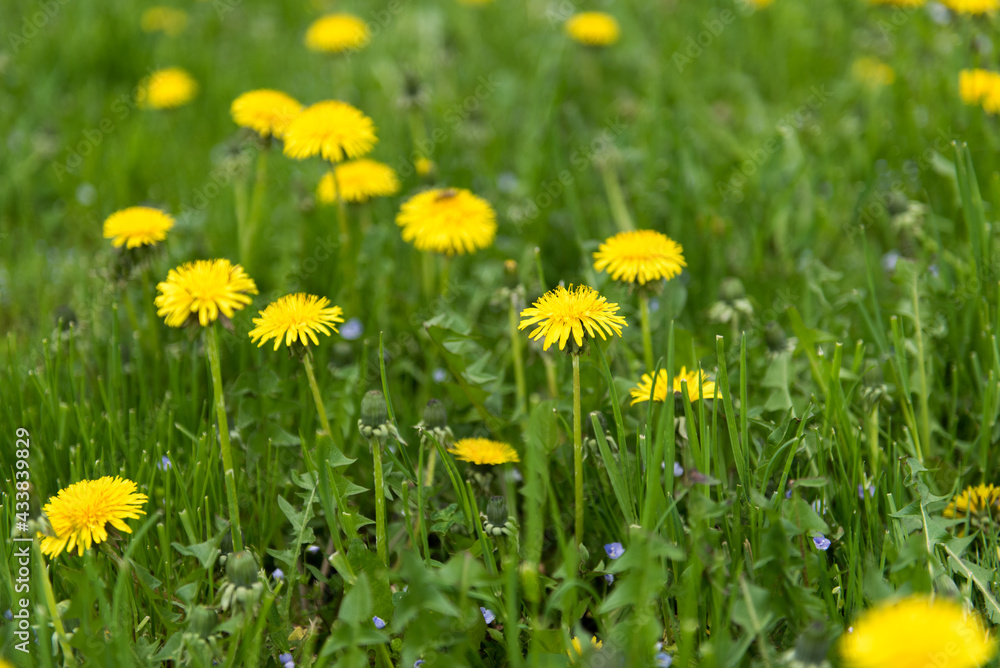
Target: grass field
[[835, 197]]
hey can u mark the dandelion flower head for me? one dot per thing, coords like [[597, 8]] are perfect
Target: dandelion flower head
[[80, 513], [294, 318], [449, 220], [137, 226], [203, 288]]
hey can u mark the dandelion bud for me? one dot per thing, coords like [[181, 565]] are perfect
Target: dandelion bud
[[496, 511], [201, 621], [374, 413], [775, 336], [435, 415], [241, 568]]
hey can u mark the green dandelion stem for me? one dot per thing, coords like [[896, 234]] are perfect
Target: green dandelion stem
[[227, 455], [517, 357], [381, 535], [616, 200], [256, 203], [577, 450], [647, 335], [322, 468], [918, 335]]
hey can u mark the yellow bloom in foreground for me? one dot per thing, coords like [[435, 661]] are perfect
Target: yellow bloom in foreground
[[981, 500], [205, 288], [642, 256], [561, 312], [137, 226], [331, 129], [872, 72], [335, 33], [168, 20], [80, 513], [166, 89], [358, 181], [917, 633], [972, 6], [593, 28], [294, 318], [449, 220], [483, 451], [578, 646], [698, 384], [266, 112]]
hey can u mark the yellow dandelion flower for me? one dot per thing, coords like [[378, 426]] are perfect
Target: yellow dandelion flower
[[761, 4], [977, 86], [205, 288], [449, 221], [166, 89], [872, 72], [137, 226], [334, 130], [483, 451], [972, 6], [80, 513], [561, 312], [899, 3], [980, 503], [641, 256], [266, 112], [595, 644], [294, 318], [168, 20], [358, 181], [917, 632], [336, 33], [593, 28], [698, 384], [424, 166]]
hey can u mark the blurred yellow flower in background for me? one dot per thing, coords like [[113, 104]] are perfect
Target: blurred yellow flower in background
[[593, 28], [332, 129], [972, 6], [872, 72], [266, 112], [166, 89], [449, 220], [137, 226], [358, 181], [168, 20], [640, 256], [483, 451], [336, 33]]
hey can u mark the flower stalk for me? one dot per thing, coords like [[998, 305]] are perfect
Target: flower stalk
[[229, 476]]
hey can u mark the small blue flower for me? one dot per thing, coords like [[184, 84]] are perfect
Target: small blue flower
[[8, 615], [678, 470], [663, 660], [654, 305], [286, 660], [440, 375], [488, 615], [609, 577], [861, 491], [614, 550], [418, 663], [278, 574], [378, 622], [352, 329], [822, 542], [788, 494], [164, 463], [313, 549]]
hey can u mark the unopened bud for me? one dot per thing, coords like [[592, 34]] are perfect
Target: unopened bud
[[435, 415], [374, 413], [241, 568]]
